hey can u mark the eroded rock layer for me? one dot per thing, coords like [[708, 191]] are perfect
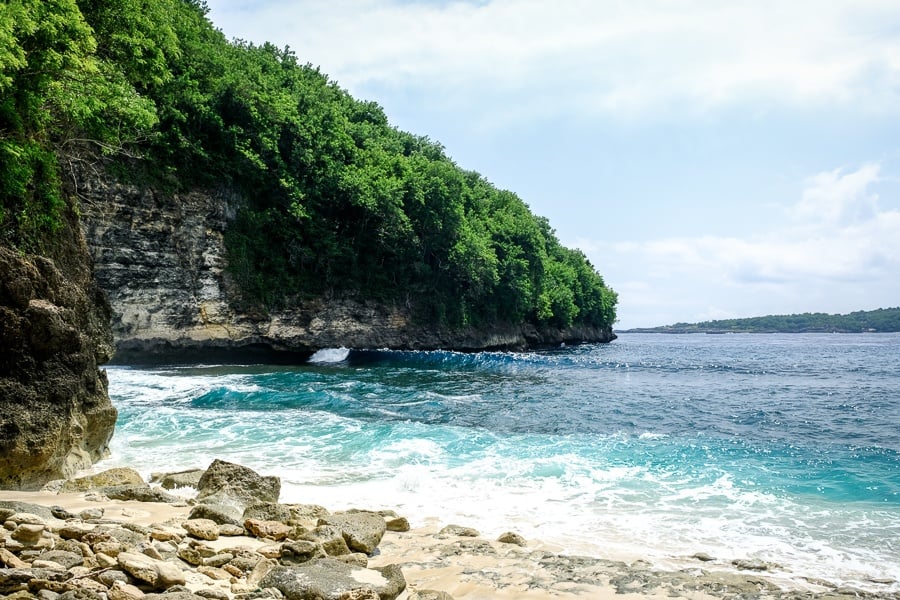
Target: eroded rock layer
[[161, 258]]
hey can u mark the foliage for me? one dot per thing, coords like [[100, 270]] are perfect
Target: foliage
[[337, 200], [55, 91], [880, 320]]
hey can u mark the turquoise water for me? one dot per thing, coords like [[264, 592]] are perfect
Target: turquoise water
[[784, 448]]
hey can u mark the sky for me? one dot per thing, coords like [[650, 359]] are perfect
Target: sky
[[712, 159]]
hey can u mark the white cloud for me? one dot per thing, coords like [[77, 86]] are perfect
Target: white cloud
[[839, 252], [620, 58]]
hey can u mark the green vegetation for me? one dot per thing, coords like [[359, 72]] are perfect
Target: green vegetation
[[881, 320], [338, 202]]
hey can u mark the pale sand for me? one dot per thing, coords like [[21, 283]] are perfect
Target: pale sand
[[466, 568]]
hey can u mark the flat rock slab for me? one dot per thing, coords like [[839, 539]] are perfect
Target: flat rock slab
[[330, 579]]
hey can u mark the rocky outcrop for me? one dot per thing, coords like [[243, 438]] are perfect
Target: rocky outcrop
[[55, 414], [161, 259]]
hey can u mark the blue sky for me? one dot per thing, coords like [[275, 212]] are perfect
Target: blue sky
[[713, 159]]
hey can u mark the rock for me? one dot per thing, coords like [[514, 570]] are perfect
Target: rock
[[20, 518], [331, 539], [190, 555], [750, 564], [66, 559], [362, 531], [170, 574], [11, 560], [300, 551], [460, 531], [224, 481], [108, 478], [274, 530], [223, 514], [204, 529], [218, 560], [259, 571], [124, 591], [142, 568], [140, 493], [110, 576], [227, 530], [213, 594], [268, 511], [703, 557], [398, 524], [181, 479], [60, 513], [89, 514], [55, 414], [329, 579], [429, 595], [512, 538], [28, 533], [214, 573], [11, 507]]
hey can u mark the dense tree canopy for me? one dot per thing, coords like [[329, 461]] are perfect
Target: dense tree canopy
[[337, 200], [880, 320]]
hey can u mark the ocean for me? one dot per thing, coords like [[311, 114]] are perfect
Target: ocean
[[782, 448]]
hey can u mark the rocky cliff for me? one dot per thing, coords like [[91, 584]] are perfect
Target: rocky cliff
[[55, 414], [161, 259]]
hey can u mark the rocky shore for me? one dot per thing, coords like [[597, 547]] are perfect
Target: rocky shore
[[221, 534]]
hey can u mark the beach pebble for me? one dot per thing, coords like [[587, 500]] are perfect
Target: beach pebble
[[204, 529]]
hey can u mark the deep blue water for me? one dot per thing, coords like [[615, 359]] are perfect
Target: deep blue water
[[779, 447]]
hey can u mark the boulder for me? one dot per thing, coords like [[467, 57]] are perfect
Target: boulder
[[361, 530], [330, 579], [241, 485]]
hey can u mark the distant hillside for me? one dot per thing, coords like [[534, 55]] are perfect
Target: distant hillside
[[881, 320]]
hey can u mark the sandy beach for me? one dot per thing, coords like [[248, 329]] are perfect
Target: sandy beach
[[463, 565]]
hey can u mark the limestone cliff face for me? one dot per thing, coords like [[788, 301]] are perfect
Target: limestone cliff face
[[161, 259], [55, 414]]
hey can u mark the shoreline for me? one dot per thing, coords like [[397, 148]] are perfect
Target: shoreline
[[471, 567]]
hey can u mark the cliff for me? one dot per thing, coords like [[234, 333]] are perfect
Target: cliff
[[55, 414], [161, 259]]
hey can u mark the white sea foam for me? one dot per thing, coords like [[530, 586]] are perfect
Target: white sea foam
[[330, 355]]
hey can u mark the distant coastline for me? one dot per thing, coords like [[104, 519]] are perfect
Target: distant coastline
[[882, 320]]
